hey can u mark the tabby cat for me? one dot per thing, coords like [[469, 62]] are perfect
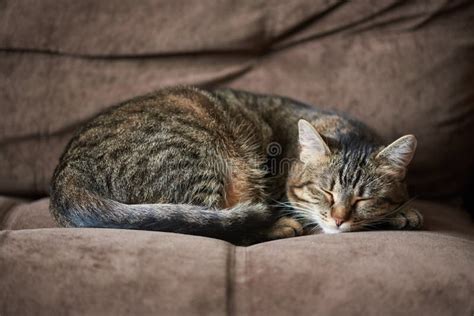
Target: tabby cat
[[232, 165]]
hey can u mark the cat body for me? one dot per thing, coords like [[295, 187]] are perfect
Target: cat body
[[221, 164]]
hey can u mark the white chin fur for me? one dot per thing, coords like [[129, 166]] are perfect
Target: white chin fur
[[334, 230], [330, 230]]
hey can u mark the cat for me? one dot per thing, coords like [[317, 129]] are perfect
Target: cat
[[232, 165]]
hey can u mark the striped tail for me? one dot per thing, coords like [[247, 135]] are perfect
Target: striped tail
[[242, 224]]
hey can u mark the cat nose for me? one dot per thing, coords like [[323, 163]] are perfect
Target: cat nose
[[340, 214], [338, 221]]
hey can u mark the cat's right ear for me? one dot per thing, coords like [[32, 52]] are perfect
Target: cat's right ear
[[394, 158], [312, 145]]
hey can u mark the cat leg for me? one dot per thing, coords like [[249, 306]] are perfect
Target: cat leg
[[407, 219], [285, 227]]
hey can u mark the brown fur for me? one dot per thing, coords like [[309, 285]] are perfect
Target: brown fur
[[193, 161]]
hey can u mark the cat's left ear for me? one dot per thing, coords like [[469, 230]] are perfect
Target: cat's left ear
[[312, 145], [394, 158]]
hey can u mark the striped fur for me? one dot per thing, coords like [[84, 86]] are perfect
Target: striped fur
[[196, 162]]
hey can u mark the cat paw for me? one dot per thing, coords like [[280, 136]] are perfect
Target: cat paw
[[285, 227], [408, 219]]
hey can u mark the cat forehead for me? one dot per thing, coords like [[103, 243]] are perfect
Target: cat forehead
[[352, 160], [343, 173]]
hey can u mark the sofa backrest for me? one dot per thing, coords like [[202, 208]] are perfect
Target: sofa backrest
[[399, 66]]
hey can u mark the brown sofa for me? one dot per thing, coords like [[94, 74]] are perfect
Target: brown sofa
[[399, 66]]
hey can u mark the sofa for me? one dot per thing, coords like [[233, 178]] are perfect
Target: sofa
[[398, 66]]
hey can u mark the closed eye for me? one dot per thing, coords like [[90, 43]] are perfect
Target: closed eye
[[358, 199], [329, 195]]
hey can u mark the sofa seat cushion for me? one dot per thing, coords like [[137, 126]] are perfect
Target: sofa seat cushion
[[105, 271], [116, 272], [18, 214]]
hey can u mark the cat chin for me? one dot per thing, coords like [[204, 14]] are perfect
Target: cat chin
[[333, 230], [330, 230]]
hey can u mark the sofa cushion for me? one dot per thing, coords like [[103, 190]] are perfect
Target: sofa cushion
[[22, 214], [16, 214], [121, 272], [49, 270], [401, 67], [151, 28]]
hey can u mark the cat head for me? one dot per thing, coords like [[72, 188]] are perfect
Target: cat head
[[350, 187]]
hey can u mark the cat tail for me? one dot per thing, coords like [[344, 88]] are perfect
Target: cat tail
[[244, 223]]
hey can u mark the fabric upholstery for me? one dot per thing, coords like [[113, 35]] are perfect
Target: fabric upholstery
[[121, 272], [18, 214], [399, 66]]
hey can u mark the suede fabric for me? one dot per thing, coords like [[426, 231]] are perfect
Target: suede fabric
[[16, 214], [122, 272], [399, 66]]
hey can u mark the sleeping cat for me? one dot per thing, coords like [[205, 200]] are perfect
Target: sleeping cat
[[232, 165]]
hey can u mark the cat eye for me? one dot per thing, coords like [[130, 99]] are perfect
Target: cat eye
[[358, 199], [329, 195]]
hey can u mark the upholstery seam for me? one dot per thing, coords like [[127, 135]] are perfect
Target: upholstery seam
[[230, 280]]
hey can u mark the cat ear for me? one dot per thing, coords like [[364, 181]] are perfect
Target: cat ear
[[395, 157], [312, 145]]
